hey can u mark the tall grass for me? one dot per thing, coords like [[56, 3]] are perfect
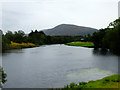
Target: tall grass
[[14, 45]]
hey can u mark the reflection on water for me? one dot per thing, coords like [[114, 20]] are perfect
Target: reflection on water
[[99, 51], [56, 65]]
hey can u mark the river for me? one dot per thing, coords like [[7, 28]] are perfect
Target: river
[[53, 66]]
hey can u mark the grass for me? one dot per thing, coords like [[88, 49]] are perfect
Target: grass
[[81, 44], [14, 45], [112, 81]]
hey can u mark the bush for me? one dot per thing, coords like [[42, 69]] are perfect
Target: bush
[[3, 76], [72, 85]]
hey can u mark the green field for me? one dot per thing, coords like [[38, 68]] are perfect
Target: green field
[[81, 44], [112, 81]]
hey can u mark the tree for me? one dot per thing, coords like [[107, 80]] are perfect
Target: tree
[[9, 35], [108, 37], [5, 43], [112, 37], [37, 37], [19, 36]]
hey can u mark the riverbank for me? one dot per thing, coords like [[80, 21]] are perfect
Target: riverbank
[[81, 44], [112, 81], [14, 45]]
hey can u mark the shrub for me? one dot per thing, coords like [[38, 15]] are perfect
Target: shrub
[[3, 76]]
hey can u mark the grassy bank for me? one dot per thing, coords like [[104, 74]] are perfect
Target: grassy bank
[[14, 45], [81, 44], [112, 81]]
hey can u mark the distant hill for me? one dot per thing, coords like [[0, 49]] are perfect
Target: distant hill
[[69, 30]]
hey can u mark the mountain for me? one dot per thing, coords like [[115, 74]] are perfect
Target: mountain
[[69, 30]]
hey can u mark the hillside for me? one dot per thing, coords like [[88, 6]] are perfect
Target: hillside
[[69, 30]]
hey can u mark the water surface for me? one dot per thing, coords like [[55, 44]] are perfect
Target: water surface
[[53, 66]]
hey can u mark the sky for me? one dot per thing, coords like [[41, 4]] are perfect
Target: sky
[[119, 9], [29, 15]]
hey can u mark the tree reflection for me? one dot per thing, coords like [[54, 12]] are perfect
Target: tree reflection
[[101, 51]]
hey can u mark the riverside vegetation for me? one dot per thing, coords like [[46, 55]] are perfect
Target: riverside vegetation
[[112, 81], [3, 76], [14, 45]]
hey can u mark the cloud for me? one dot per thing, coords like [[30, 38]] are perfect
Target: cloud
[[49, 13], [59, 0], [119, 9]]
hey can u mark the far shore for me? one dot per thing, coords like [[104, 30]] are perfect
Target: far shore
[[81, 44]]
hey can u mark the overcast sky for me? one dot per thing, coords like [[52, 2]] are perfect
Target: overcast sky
[[44, 14]]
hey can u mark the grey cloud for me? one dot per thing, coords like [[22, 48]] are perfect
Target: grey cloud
[[44, 15]]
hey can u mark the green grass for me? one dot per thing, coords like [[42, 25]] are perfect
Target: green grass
[[81, 44], [112, 81]]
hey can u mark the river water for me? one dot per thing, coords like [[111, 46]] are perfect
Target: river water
[[53, 66]]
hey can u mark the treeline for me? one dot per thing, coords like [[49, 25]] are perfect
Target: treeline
[[35, 37], [108, 38]]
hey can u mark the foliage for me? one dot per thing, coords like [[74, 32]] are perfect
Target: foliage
[[112, 39], [109, 37], [3, 76], [37, 37], [16, 36], [97, 37], [5, 43]]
